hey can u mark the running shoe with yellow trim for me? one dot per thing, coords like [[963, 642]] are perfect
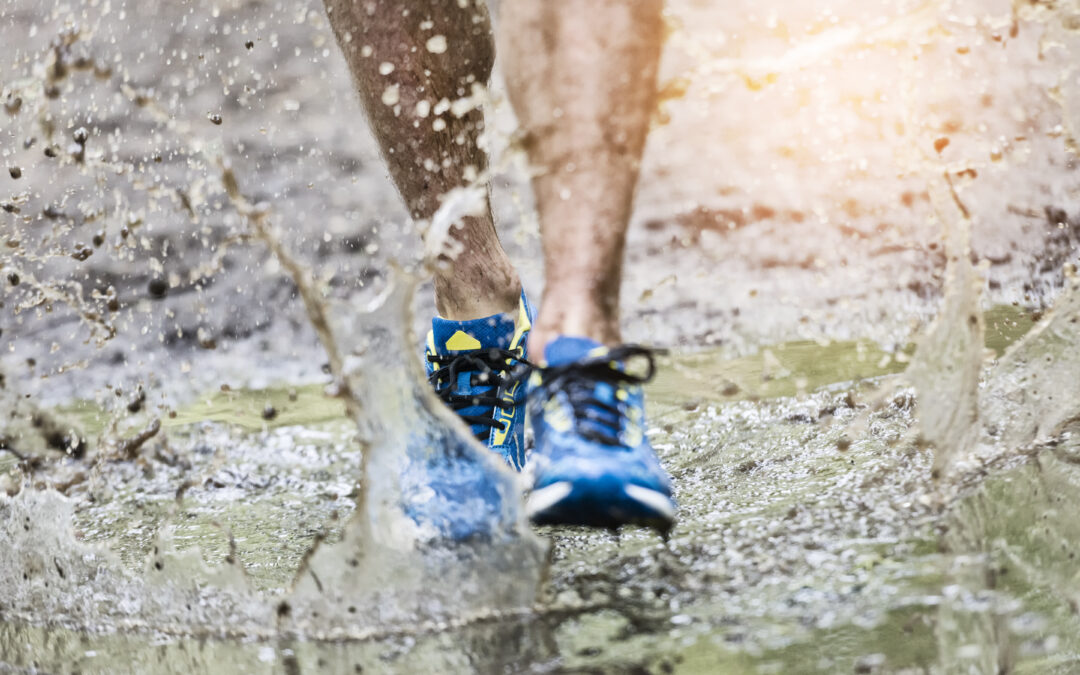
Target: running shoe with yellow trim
[[469, 363], [592, 464]]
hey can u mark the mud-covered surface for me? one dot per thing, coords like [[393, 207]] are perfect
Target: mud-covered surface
[[159, 372], [811, 539]]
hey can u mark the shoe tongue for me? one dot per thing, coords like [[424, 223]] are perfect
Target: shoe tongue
[[567, 349], [489, 332]]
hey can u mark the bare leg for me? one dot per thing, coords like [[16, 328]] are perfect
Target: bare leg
[[406, 56], [582, 75]]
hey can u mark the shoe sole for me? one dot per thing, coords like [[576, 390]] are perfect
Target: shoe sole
[[600, 505]]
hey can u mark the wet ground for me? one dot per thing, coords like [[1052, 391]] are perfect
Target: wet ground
[[811, 539], [786, 245]]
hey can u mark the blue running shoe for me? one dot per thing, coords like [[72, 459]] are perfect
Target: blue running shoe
[[592, 464], [470, 363]]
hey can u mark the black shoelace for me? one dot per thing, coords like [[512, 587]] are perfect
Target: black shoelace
[[596, 420], [488, 368]]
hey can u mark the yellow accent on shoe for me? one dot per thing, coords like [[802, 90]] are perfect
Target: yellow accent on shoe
[[521, 326], [597, 352], [556, 417], [504, 416], [461, 341], [499, 435]]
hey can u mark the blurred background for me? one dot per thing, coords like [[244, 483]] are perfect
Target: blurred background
[[784, 193]]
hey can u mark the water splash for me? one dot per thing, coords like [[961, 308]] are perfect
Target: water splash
[[47, 575], [464, 551], [1030, 397], [387, 572], [949, 361]]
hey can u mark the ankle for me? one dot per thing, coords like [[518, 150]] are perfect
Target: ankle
[[603, 330], [462, 302]]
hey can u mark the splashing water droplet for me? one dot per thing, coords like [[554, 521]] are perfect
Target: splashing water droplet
[[436, 44]]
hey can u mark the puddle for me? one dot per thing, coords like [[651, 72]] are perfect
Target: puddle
[[777, 370], [810, 555]]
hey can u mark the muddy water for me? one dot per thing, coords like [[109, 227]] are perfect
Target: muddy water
[[794, 236], [701, 597], [800, 548]]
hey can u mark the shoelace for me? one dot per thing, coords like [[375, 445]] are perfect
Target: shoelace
[[489, 368], [602, 421]]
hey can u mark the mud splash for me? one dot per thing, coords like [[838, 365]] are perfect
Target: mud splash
[[950, 357], [418, 455], [384, 573]]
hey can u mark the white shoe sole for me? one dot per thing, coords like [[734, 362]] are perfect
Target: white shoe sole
[[545, 498]]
